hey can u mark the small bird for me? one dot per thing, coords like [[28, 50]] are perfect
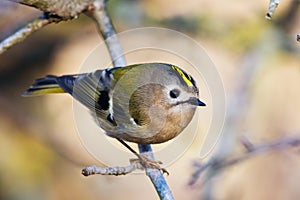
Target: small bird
[[146, 103]]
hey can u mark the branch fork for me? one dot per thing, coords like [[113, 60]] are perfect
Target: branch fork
[[218, 164], [143, 162]]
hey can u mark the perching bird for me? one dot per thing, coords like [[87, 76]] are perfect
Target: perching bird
[[143, 103]]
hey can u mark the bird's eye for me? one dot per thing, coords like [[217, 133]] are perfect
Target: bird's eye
[[174, 93]]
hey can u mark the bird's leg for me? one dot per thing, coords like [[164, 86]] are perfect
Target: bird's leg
[[145, 161]]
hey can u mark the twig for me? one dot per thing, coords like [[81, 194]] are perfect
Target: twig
[[237, 105], [62, 8], [91, 170], [156, 176], [30, 28], [272, 7], [219, 164], [99, 13]]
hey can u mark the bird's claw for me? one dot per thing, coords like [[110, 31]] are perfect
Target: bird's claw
[[149, 163]]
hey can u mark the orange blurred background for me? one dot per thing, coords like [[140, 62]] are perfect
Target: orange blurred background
[[41, 154]]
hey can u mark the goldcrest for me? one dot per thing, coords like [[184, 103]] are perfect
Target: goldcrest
[[145, 103]]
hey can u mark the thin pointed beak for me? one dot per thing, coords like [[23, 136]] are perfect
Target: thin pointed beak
[[200, 103], [196, 102]]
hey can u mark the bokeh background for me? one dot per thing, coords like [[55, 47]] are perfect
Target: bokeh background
[[41, 154]]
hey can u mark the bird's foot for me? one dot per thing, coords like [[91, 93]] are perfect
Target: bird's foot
[[149, 163]]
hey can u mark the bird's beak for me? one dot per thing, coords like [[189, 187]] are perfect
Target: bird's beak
[[200, 103], [196, 102]]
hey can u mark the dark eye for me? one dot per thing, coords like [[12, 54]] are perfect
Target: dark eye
[[174, 93]]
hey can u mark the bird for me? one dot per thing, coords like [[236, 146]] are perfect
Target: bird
[[145, 103]]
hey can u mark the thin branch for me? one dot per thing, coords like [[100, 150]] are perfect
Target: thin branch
[[251, 150], [272, 7], [56, 11], [99, 13], [156, 176], [238, 101], [289, 19], [24, 32], [62, 8], [92, 170]]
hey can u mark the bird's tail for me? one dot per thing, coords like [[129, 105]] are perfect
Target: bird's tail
[[46, 85]]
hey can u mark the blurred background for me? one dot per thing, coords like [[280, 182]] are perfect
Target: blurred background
[[41, 154]]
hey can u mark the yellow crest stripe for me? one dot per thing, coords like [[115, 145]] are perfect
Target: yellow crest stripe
[[187, 78]]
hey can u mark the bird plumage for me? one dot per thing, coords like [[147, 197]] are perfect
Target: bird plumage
[[143, 103]]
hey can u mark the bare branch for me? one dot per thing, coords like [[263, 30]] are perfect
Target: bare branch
[[272, 7], [236, 109], [91, 170], [24, 32], [56, 11], [98, 12], [218, 164], [156, 176], [62, 8]]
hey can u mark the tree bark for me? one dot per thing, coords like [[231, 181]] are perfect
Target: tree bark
[[62, 8]]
